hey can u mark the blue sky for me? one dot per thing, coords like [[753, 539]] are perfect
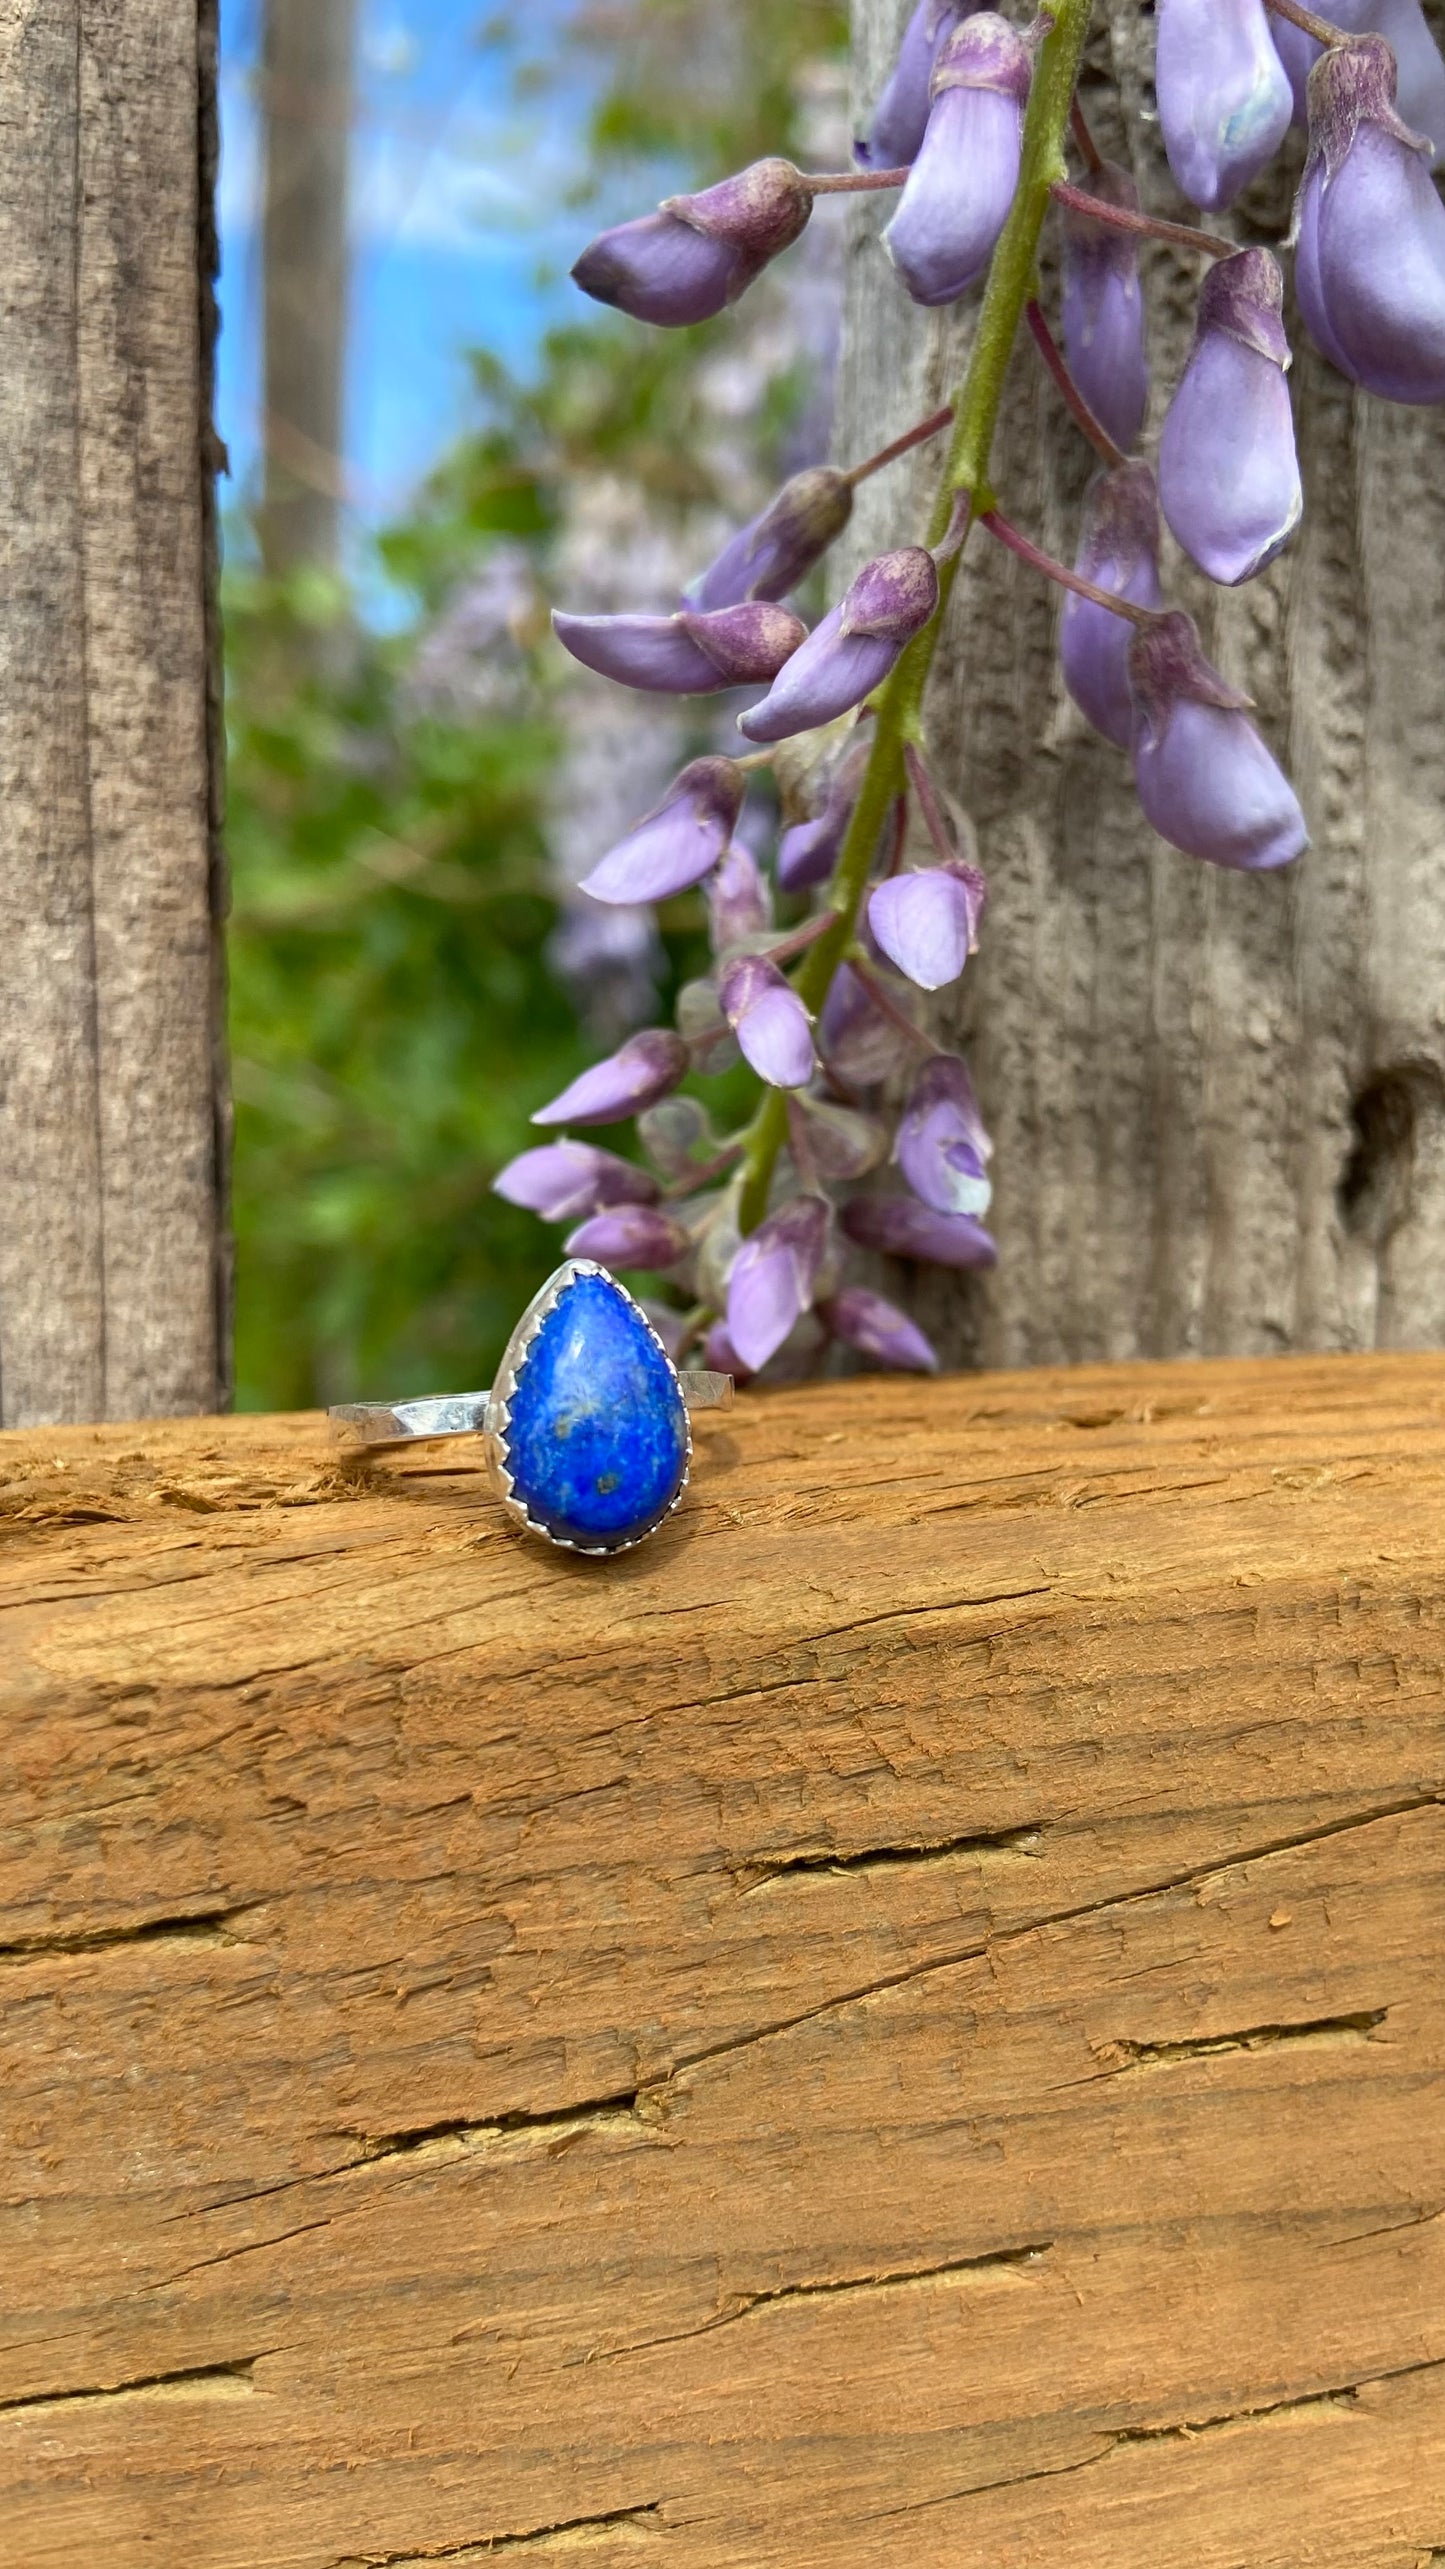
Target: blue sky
[[461, 235]]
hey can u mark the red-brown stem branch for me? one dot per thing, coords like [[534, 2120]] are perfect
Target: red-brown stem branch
[[850, 182], [1322, 29], [1066, 579], [1053, 357], [899, 839], [1150, 227], [911, 437], [798, 940], [1078, 124], [928, 804], [890, 1008]]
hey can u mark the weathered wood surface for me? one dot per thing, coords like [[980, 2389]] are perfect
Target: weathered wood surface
[[1219, 1101], [110, 1148], [903, 2020]]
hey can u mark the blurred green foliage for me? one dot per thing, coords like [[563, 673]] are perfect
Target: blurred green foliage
[[393, 1019]]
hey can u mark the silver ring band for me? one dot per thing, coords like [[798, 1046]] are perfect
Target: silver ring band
[[425, 1422]]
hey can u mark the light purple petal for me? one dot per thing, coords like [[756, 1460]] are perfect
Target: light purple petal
[[926, 923], [1103, 312], [678, 843], [646, 1068], [1224, 98], [1371, 280], [900, 1228], [658, 269], [830, 672], [770, 557], [772, 1279], [1118, 551], [630, 1235], [878, 1329], [770, 1022], [563, 1180], [901, 115], [738, 900], [1209, 785], [958, 194], [651, 652], [943, 1145], [1229, 481]]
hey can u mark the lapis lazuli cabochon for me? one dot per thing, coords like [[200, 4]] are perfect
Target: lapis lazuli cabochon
[[596, 1436]]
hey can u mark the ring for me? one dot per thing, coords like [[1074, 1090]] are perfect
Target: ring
[[585, 1430]]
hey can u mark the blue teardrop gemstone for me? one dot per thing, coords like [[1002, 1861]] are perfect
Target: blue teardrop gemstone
[[596, 1437]]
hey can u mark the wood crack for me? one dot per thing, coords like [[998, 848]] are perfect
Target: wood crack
[[1343, 2396], [209, 1928], [198, 2381], [1121, 2055], [877, 1859], [487, 2546], [745, 2305]]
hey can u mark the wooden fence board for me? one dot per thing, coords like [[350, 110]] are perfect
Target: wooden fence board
[[909, 2010]]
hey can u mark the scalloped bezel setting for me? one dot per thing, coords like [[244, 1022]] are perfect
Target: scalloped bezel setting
[[497, 1440]]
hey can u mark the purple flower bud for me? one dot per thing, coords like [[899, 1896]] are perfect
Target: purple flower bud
[[901, 115], [1229, 480], [899, 1228], [1205, 778], [1118, 551], [1104, 310], [769, 1019], [1224, 98], [562, 1180], [834, 1141], [927, 923], [773, 1277], [878, 1329], [676, 843], [646, 1068], [1420, 95], [860, 1042], [686, 654], [630, 1235], [809, 850], [1370, 231], [739, 904], [853, 649], [721, 1356], [770, 557], [943, 1146], [962, 183], [697, 254]]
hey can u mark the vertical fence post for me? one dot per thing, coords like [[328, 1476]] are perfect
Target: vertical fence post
[[113, 1278]]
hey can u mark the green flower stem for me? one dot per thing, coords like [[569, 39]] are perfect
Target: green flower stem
[[976, 406]]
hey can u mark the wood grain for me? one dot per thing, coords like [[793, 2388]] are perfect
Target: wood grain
[[1219, 1099], [109, 891], [904, 2017]]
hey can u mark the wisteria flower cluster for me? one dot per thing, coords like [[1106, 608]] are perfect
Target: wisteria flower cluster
[[823, 956]]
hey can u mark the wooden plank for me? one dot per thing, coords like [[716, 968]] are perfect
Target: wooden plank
[[909, 2010], [109, 891]]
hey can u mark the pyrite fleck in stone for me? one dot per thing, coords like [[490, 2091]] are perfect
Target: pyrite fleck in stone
[[589, 1435]]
